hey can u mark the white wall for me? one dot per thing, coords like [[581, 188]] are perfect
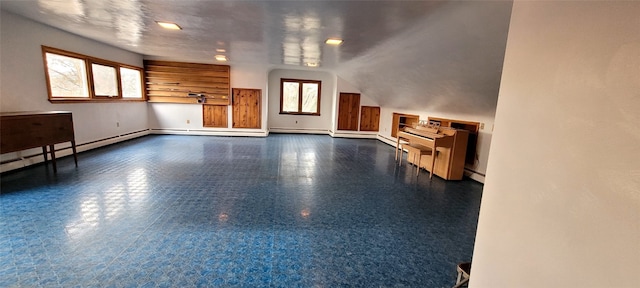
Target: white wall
[[561, 201], [448, 64], [343, 86], [24, 86], [318, 124], [172, 118]]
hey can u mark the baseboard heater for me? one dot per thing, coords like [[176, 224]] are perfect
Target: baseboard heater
[[204, 132], [298, 130], [34, 158]]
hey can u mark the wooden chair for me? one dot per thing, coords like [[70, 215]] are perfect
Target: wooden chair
[[399, 148], [418, 151], [464, 269]]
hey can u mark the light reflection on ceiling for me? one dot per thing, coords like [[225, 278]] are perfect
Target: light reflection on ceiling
[[419, 55], [279, 32]]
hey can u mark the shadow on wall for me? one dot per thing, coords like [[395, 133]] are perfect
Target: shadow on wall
[[451, 61]]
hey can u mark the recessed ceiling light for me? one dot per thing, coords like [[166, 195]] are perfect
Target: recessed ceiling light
[[221, 58], [169, 25], [334, 41], [219, 50]]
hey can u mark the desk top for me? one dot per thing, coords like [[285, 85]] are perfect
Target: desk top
[[28, 113]]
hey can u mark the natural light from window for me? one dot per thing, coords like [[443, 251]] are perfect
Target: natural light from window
[[309, 97], [300, 97], [67, 76], [290, 96], [131, 83], [105, 81]]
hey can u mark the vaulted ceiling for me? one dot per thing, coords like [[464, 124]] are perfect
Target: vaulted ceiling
[[397, 52]]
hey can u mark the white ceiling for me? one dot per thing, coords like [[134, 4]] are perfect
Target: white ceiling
[[270, 32], [435, 49]]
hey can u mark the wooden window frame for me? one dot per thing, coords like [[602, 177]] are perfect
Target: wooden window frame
[[301, 82], [88, 61]]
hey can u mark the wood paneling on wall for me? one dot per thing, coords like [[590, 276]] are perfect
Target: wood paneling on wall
[[370, 118], [215, 116], [246, 108], [348, 109], [172, 82]]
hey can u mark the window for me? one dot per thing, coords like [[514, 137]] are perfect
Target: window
[[73, 77], [67, 76], [105, 82], [131, 83], [300, 97]]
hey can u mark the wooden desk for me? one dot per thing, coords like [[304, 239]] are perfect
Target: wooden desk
[[26, 130]]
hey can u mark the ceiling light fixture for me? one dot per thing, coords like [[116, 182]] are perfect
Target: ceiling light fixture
[[169, 25], [221, 58], [334, 41], [220, 50], [311, 64]]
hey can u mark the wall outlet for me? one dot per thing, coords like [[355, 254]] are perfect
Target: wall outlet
[[188, 121], [481, 126], [117, 124]]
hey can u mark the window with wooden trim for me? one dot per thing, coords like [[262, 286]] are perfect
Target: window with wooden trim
[[300, 97], [73, 77]]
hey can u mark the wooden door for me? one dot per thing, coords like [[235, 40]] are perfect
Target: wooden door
[[246, 108], [369, 118], [214, 116], [348, 110]]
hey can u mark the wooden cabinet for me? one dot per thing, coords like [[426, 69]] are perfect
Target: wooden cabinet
[[26, 130], [400, 121], [370, 118], [215, 116], [246, 108], [348, 109]]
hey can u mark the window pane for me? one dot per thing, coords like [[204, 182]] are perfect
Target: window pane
[[67, 76], [104, 80], [290, 96], [310, 97], [131, 83]]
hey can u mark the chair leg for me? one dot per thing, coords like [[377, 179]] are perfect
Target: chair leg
[[464, 281], [433, 161]]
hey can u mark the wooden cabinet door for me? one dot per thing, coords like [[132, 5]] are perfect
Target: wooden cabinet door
[[214, 116], [246, 108], [369, 118], [348, 110]]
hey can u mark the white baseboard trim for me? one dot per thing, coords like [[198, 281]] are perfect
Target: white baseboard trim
[[298, 130], [346, 134], [386, 140], [474, 175], [65, 150], [204, 132]]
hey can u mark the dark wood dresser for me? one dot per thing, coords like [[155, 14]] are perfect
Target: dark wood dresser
[[26, 130]]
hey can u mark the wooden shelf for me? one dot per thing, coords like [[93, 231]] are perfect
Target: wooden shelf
[[172, 82], [402, 120]]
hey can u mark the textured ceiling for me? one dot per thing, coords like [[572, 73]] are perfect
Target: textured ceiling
[[430, 55], [267, 32]]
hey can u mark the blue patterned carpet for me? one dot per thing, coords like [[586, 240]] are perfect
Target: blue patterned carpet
[[200, 211]]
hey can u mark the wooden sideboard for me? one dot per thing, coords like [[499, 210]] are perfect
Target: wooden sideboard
[[26, 130]]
